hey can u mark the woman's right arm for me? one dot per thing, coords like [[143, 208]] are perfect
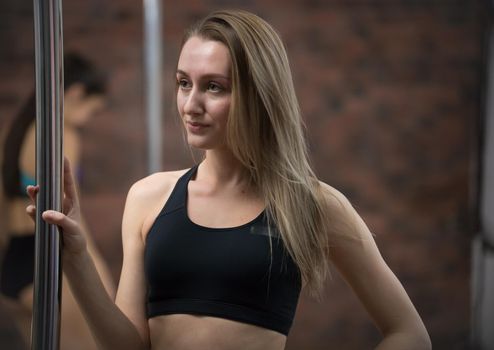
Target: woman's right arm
[[115, 325]]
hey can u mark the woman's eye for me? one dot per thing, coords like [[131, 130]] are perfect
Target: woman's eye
[[214, 87], [183, 84]]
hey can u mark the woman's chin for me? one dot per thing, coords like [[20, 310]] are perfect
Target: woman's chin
[[200, 144], [203, 144]]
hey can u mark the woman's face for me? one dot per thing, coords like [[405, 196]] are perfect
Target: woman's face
[[204, 91], [80, 107]]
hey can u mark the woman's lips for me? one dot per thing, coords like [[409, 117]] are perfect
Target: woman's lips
[[196, 127]]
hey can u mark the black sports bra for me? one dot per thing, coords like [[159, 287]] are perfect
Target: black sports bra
[[221, 272]]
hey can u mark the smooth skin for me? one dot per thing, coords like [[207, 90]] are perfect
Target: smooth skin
[[220, 187]]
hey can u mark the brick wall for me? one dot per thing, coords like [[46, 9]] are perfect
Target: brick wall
[[390, 93]]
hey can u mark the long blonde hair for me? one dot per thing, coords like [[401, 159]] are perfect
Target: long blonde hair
[[265, 132]]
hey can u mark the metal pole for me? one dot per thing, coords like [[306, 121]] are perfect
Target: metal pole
[[45, 333], [153, 86]]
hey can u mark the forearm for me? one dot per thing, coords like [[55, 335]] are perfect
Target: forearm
[[109, 325], [99, 262], [405, 341]]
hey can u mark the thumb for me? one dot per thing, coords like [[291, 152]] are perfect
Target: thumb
[[57, 218]]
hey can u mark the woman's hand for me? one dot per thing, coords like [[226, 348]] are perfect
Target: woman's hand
[[69, 220]]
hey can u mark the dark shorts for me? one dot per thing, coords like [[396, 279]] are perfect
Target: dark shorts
[[17, 267]]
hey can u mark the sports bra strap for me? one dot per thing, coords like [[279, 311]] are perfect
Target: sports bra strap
[[179, 194]]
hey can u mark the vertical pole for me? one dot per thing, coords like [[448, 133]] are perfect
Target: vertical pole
[[49, 138], [153, 86]]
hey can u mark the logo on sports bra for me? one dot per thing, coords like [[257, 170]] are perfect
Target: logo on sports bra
[[263, 230]]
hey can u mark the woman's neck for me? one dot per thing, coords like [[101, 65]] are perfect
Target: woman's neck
[[221, 168]]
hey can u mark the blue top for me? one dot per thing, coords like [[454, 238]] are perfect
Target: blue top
[[222, 272], [26, 180]]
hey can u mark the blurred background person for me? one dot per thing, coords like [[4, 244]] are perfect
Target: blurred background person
[[84, 97]]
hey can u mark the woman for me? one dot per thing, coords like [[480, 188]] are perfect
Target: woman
[[83, 98], [215, 256]]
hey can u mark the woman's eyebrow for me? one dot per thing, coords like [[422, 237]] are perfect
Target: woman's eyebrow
[[179, 71], [205, 76]]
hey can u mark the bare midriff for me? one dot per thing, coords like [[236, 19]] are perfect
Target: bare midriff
[[194, 332]]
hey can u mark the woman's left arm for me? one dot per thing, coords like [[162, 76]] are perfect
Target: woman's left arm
[[354, 253]]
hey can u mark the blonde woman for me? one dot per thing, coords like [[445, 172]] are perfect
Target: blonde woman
[[215, 256]]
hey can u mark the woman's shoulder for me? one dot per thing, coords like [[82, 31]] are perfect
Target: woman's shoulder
[[334, 198], [343, 221], [155, 184], [144, 201]]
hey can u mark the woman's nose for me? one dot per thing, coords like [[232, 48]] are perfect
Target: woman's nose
[[194, 103]]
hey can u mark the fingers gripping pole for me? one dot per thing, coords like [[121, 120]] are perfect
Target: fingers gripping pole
[[45, 333]]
